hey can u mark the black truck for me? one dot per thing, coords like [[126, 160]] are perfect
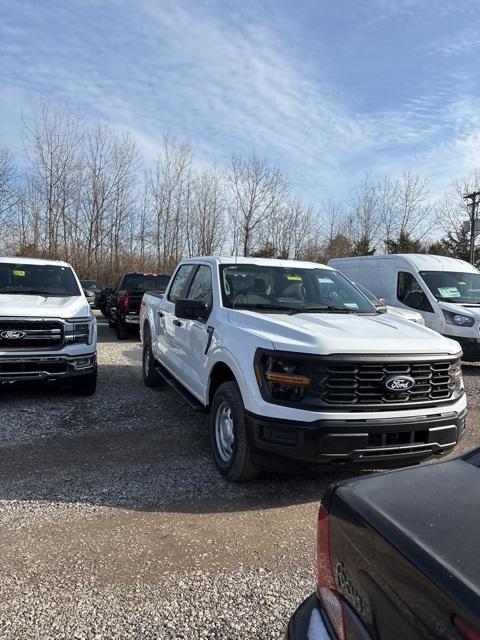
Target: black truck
[[398, 557], [123, 303]]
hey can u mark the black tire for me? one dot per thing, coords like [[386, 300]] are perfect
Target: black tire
[[122, 329], [85, 385], [233, 458], [150, 376]]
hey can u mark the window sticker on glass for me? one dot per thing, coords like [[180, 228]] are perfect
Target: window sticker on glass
[[350, 305], [324, 280], [294, 278], [449, 292], [19, 273]]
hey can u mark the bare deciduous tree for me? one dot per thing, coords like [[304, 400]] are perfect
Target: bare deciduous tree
[[256, 191], [205, 223], [52, 136]]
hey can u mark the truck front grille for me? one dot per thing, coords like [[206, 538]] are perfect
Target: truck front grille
[[363, 384], [22, 335]]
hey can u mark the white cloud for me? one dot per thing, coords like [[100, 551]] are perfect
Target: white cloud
[[227, 82]]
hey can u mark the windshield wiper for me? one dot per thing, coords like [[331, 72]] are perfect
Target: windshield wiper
[[329, 308], [294, 310], [34, 292]]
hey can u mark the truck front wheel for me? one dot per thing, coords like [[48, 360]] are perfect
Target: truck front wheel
[[228, 436]]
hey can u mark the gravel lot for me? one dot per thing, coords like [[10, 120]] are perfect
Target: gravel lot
[[115, 524]]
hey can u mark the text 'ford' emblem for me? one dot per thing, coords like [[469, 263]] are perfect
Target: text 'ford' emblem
[[399, 383], [13, 335]]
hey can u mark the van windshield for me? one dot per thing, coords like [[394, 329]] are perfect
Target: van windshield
[[453, 286], [273, 289], [37, 279]]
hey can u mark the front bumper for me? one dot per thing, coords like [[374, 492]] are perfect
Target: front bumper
[[30, 368], [133, 318], [470, 348], [405, 439], [309, 622]]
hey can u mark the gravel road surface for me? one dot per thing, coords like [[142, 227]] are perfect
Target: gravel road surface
[[115, 524]]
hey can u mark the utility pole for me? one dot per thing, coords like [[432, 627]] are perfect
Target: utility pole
[[473, 210]]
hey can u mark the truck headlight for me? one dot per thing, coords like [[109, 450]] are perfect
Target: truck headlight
[[458, 319], [456, 372], [284, 378], [79, 332]]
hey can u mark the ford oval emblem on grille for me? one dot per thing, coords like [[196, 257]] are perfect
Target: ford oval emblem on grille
[[399, 383], [13, 335]]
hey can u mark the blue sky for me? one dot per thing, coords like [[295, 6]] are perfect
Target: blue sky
[[325, 89]]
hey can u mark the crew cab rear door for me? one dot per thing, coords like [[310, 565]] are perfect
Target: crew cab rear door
[[170, 343], [195, 334]]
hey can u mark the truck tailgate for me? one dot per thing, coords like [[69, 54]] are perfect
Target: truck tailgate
[[404, 548]]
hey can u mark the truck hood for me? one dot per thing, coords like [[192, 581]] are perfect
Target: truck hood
[[13, 305], [413, 316], [326, 333]]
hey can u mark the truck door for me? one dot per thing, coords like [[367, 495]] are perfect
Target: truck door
[[412, 295], [194, 335], [169, 342]]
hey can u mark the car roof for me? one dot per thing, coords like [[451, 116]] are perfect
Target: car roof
[[421, 261], [264, 262], [39, 261], [429, 262]]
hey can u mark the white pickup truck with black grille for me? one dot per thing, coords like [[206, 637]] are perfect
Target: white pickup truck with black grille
[[292, 362], [47, 330]]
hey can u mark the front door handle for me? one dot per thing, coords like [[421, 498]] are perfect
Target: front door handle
[[177, 323]]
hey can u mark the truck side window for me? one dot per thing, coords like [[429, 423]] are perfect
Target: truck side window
[[411, 293], [180, 281], [201, 287]]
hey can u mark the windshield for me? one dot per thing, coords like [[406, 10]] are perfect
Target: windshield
[[91, 285], [453, 286], [37, 279], [144, 282], [280, 289]]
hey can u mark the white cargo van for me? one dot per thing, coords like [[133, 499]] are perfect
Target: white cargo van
[[446, 291]]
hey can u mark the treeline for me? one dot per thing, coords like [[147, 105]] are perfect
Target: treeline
[[85, 195]]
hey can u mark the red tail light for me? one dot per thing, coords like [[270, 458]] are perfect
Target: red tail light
[[465, 630], [124, 302], [326, 587]]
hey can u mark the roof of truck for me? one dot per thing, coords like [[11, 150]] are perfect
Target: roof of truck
[[422, 261], [41, 261], [289, 264]]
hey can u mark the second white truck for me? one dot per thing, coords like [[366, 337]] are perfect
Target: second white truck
[[293, 363], [48, 333]]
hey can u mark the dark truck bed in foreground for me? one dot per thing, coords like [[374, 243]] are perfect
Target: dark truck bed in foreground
[[398, 557]]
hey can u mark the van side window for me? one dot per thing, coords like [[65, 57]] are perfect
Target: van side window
[[411, 293], [180, 281]]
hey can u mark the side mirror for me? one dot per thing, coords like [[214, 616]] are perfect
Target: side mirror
[[191, 309], [381, 308], [383, 302]]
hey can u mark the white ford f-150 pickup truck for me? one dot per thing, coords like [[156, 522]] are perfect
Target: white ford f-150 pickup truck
[[47, 330], [292, 362]]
